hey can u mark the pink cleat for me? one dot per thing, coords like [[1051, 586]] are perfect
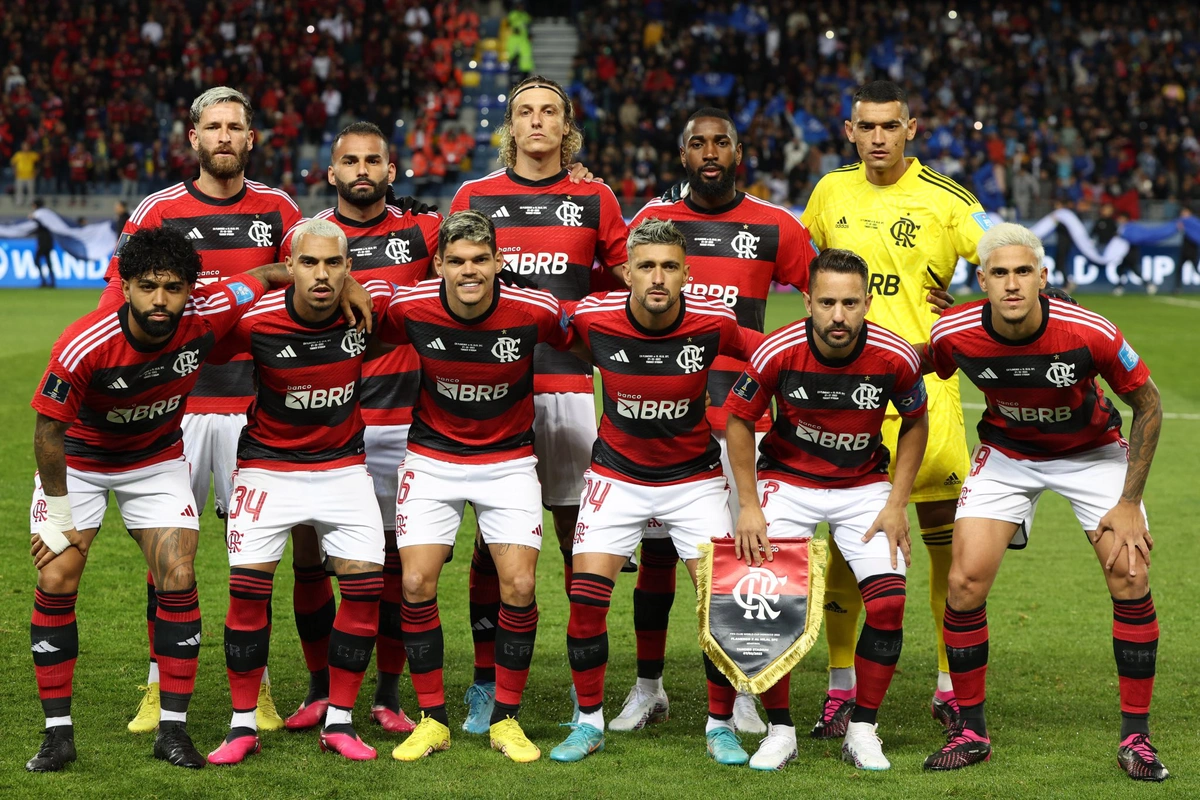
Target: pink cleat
[[235, 751], [391, 721], [347, 746], [308, 715]]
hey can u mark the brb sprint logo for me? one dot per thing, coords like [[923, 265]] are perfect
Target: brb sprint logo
[[306, 397]]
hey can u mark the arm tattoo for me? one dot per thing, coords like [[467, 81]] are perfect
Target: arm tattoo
[[50, 454], [272, 275], [1143, 438]]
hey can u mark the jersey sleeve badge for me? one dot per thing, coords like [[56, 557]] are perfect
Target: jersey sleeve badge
[[982, 219], [1128, 357], [56, 388], [242, 293], [746, 387]]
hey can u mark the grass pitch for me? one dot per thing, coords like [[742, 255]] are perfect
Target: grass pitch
[[1052, 703]]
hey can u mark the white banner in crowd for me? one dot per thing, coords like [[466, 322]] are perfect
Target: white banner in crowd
[[1114, 252], [93, 242]]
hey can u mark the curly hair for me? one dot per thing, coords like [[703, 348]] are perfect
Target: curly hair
[[572, 140], [161, 250]]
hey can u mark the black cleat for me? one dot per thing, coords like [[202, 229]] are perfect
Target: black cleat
[[1139, 759], [174, 746], [835, 718], [962, 749], [57, 750], [945, 712]]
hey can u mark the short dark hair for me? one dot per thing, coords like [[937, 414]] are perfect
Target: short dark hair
[[712, 112], [38, 203], [882, 92], [841, 261], [470, 225], [359, 129], [160, 249]]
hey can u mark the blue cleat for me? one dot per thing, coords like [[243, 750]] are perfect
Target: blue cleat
[[480, 700], [724, 747], [583, 741]]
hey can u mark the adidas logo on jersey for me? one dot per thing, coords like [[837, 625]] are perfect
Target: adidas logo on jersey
[[119, 383], [842, 224], [191, 641], [799, 394], [44, 647], [286, 352], [619, 356], [987, 375], [953, 479], [501, 213], [436, 344], [195, 233]]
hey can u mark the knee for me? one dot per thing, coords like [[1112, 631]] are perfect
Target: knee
[[965, 588], [418, 585], [178, 579], [57, 581], [518, 590], [1124, 586]]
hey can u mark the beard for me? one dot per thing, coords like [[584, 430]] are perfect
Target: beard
[[154, 328], [712, 189], [223, 170], [361, 197], [851, 338]]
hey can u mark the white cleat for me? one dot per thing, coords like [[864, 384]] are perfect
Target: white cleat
[[777, 750], [862, 747], [745, 715], [641, 709]]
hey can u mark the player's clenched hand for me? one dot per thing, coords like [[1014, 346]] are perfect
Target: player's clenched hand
[[1130, 532], [750, 537], [939, 300], [43, 555], [893, 522], [578, 173], [356, 304]]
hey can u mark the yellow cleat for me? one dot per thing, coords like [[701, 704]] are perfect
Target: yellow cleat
[[428, 737], [265, 715], [148, 711], [509, 739]]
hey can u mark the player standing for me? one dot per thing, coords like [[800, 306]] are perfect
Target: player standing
[[471, 441], [552, 230], [737, 245], [654, 458], [235, 225], [109, 411], [911, 224], [389, 244], [831, 377], [1048, 427]]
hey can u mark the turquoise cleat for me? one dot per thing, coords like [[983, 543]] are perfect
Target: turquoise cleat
[[583, 741], [480, 700], [724, 747]]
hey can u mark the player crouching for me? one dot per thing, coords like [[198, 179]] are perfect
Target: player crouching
[[832, 376]]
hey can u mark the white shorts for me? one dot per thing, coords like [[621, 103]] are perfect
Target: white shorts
[[564, 430], [794, 512], [210, 446], [613, 514], [339, 503], [659, 531], [432, 494], [1003, 488], [387, 445], [157, 496]]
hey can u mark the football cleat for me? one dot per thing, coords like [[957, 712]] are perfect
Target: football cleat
[[862, 747], [509, 739], [641, 709], [308, 715], [944, 710], [584, 740], [835, 716], [574, 705], [266, 717], [148, 711], [346, 745], [724, 747], [392, 721], [745, 715], [174, 746], [480, 699], [428, 737], [962, 749], [1139, 759], [235, 750], [777, 750], [57, 750]]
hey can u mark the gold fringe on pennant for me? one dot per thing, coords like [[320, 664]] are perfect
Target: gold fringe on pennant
[[787, 661]]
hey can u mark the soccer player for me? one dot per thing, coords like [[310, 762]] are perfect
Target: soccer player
[[831, 377], [471, 441], [1048, 427], [109, 411], [552, 229], [737, 246], [911, 224], [235, 225], [389, 244], [301, 462], [655, 458]]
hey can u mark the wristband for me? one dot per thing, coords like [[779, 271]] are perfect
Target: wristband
[[58, 520]]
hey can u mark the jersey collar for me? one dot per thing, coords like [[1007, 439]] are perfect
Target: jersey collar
[[478, 320], [910, 174], [835, 363], [674, 326], [553, 179], [1030, 339], [289, 295], [713, 212], [190, 185], [353, 223]]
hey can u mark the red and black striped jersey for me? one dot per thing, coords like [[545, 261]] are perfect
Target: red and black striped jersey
[[557, 234], [397, 248], [828, 412], [307, 377], [125, 399], [1042, 398], [476, 400], [733, 254], [232, 236], [654, 429]]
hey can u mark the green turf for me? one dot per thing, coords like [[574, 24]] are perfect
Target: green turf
[[1053, 686]]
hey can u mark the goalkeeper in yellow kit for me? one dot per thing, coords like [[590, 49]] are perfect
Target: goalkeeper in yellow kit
[[911, 224]]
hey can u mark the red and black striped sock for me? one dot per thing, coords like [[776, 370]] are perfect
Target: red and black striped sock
[[389, 645], [1135, 646], [54, 640], [879, 643], [426, 654], [177, 643], [514, 651], [966, 637], [652, 600], [312, 597], [587, 638], [777, 702], [483, 600], [353, 637], [247, 635], [721, 693]]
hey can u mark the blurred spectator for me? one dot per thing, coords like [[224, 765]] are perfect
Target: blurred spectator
[[45, 246], [79, 163], [25, 170], [518, 46]]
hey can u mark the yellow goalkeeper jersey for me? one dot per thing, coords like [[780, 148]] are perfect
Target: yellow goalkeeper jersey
[[910, 234]]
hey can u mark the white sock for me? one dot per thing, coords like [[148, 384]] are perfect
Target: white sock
[[651, 685], [244, 719], [944, 682], [153, 676], [713, 724], [593, 718], [172, 716], [337, 716], [58, 722], [266, 679], [842, 678]]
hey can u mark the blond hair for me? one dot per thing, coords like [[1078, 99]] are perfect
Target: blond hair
[[1009, 234]]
